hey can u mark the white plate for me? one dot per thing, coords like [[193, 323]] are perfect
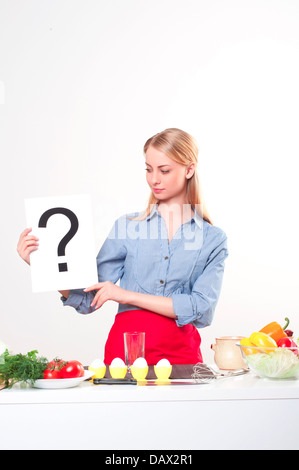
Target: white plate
[[62, 383]]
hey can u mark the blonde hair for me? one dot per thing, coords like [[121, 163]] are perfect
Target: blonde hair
[[182, 148]]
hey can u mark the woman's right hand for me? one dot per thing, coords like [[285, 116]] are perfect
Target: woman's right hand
[[27, 244]]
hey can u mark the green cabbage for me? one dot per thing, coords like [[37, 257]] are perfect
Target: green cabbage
[[279, 364]]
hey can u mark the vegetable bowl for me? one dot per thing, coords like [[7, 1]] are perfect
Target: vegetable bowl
[[272, 363]]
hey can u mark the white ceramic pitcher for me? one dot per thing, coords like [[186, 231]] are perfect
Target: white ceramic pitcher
[[227, 355]]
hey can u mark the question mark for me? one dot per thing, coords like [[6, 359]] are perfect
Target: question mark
[[71, 233]]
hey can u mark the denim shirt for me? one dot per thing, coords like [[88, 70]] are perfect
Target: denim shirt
[[189, 268]]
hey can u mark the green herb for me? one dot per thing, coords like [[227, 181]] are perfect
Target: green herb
[[21, 368]]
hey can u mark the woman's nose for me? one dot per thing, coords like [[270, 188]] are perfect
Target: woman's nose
[[156, 178]]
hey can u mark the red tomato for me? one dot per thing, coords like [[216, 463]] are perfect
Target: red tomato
[[56, 364], [52, 374], [71, 370]]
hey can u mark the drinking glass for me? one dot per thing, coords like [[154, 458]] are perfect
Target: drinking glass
[[134, 347]]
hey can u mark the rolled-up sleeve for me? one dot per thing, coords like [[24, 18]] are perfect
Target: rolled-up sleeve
[[198, 307], [79, 300], [110, 264]]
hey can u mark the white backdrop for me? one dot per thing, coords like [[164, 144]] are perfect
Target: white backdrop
[[83, 84]]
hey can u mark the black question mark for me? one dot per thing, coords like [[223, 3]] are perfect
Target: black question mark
[[71, 233]]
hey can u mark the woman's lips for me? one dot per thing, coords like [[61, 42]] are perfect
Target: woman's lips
[[157, 190]]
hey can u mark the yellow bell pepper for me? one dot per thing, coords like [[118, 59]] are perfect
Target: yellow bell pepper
[[247, 342], [262, 340]]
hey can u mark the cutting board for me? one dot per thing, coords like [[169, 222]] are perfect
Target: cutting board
[[179, 371]]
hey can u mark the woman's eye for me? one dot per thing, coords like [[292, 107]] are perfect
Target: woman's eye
[[149, 170]]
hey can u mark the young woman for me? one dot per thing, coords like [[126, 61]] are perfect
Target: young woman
[[169, 260]]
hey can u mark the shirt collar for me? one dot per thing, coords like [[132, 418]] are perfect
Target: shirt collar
[[197, 218], [153, 212]]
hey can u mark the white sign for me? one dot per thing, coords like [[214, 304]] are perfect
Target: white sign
[[66, 257]]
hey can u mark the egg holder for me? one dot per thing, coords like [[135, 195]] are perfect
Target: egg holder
[[118, 374]]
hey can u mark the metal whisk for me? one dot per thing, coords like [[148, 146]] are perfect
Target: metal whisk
[[205, 374]]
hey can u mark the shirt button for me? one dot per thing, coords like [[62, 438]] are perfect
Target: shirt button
[[161, 282], [166, 257]]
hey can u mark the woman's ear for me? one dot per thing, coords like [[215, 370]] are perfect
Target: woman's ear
[[190, 170]]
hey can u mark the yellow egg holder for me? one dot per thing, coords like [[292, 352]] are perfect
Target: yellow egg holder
[[99, 372], [163, 373], [118, 372], [138, 373]]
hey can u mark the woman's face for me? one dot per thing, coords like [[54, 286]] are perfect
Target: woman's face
[[167, 178]]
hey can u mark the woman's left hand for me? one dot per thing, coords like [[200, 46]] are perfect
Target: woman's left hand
[[107, 291]]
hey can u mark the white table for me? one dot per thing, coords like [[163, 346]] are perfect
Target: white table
[[243, 412]]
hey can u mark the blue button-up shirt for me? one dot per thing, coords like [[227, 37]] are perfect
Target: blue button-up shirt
[[189, 268]]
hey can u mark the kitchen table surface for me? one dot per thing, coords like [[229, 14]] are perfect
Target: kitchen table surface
[[243, 387], [243, 412]]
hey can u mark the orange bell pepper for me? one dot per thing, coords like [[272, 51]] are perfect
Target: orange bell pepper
[[275, 331]]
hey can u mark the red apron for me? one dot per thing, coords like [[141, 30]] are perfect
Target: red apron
[[163, 338]]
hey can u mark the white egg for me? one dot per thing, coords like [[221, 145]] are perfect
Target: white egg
[[163, 363], [117, 362], [97, 363], [140, 362]]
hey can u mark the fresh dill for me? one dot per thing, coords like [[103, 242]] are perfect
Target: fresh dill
[[21, 368]]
